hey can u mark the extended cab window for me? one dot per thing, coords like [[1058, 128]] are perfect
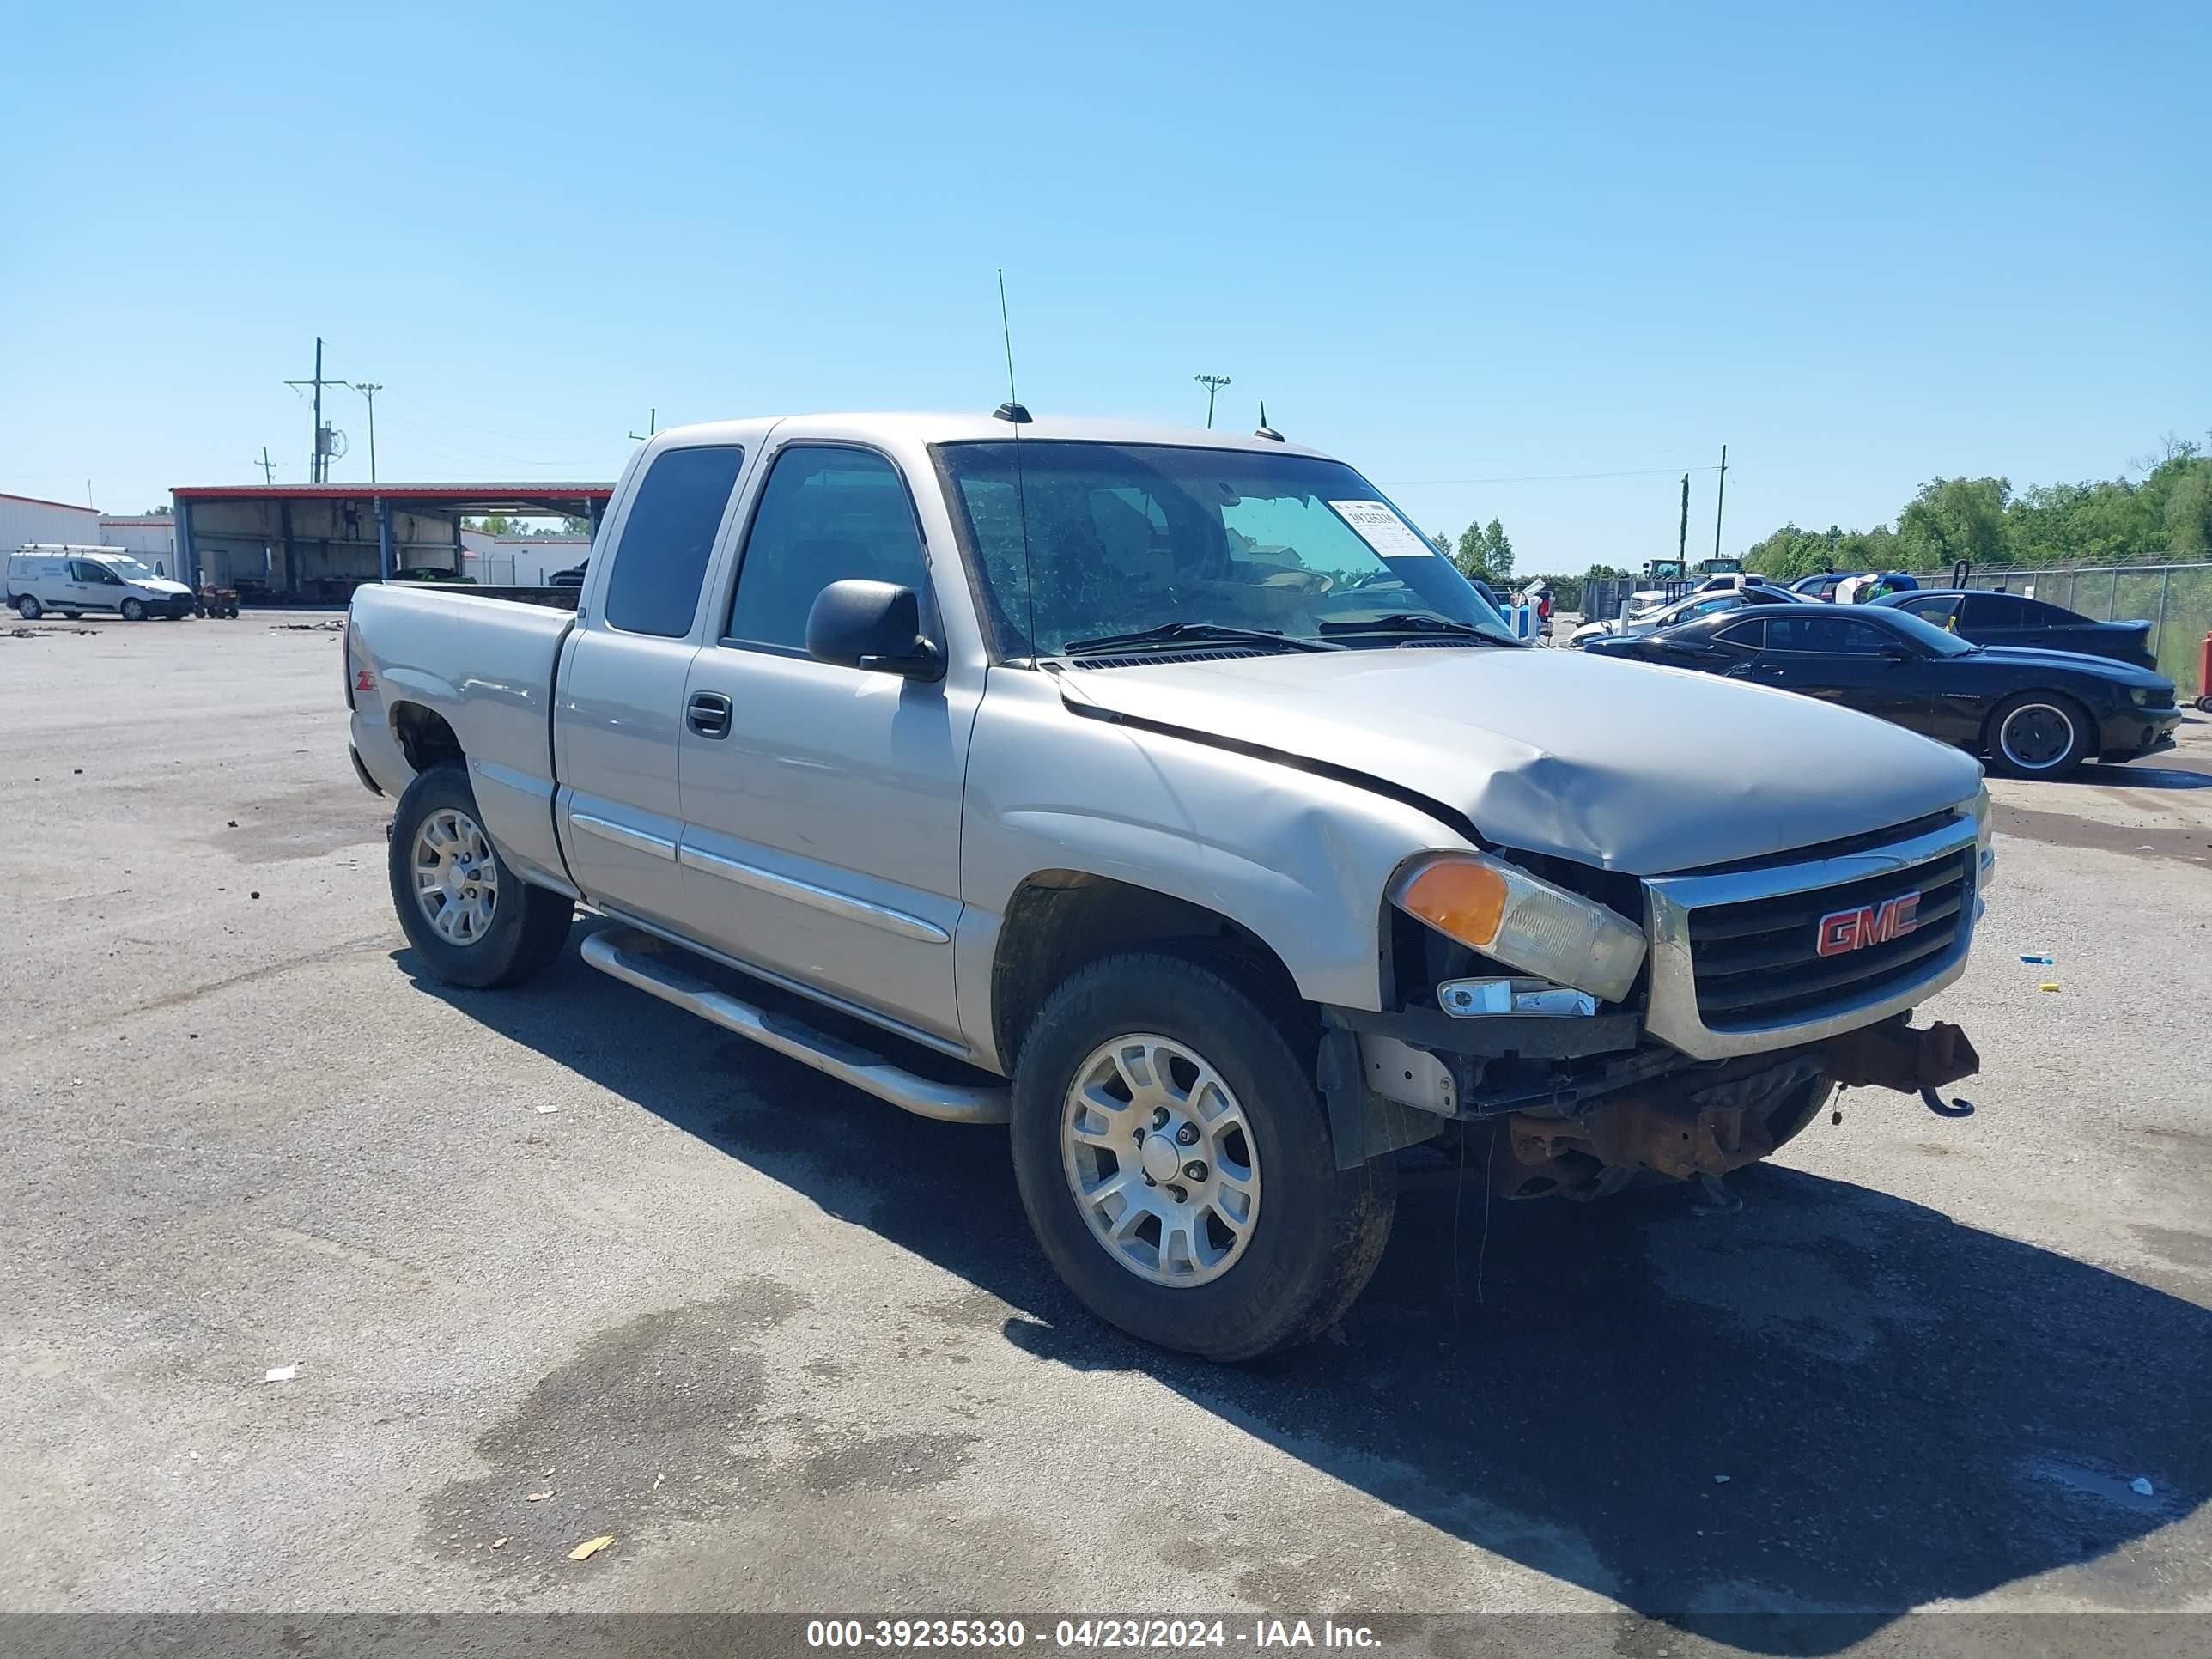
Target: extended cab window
[[827, 514], [661, 563]]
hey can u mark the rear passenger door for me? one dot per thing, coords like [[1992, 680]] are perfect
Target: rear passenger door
[[822, 839], [620, 688]]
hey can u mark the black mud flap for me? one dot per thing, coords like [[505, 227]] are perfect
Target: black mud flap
[[1362, 1125]]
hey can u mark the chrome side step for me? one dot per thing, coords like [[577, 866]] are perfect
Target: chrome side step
[[637, 958]]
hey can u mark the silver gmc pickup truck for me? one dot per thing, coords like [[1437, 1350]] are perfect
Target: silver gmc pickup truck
[[1165, 795]]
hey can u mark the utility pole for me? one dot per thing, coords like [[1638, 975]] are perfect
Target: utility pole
[[1682, 541], [318, 463], [651, 426], [369, 389], [1213, 383], [268, 467], [1719, 501]]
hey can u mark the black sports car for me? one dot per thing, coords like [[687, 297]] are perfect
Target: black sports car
[[2014, 619], [2034, 714]]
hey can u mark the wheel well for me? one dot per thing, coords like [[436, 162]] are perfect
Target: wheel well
[[1060, 921], [424, 737]]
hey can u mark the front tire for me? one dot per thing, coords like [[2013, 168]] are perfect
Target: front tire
[[134, 610], [2039, 734], [472, 919], [1174, 1157]]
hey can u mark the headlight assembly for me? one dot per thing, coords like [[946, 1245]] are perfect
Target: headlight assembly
[[1511, 917]]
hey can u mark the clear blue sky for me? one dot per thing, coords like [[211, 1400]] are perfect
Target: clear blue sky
[[1861, 244]]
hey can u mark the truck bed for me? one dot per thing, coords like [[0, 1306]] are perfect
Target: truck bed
[[554, 599]]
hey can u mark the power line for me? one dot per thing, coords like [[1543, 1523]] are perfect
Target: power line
[[1540, 477], [319, 460], [1213, 383], [369, 389]]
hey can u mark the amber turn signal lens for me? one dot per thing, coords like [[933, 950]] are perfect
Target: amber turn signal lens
[[1464, 899]]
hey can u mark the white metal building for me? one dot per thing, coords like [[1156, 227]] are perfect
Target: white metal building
[[152, 538], [25, 520], [521, 561]]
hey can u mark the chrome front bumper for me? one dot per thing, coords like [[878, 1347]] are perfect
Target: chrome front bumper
[[1672, 1014]]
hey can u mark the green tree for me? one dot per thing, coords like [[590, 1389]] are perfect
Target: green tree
[[1954, 518], [1485, 553], [1499, 548], [1443, 543], [1471, 550]]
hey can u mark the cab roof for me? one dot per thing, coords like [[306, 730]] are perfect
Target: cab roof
[[982, 426]]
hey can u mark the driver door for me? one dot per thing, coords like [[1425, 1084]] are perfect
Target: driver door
[[1840, 660], [821, 803]]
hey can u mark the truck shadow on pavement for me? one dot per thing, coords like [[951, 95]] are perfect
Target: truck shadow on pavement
[[1780, 1428]]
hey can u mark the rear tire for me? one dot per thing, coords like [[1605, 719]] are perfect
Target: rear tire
[[1311, 1239], [29, 609], [2038, 734], [437, 861]]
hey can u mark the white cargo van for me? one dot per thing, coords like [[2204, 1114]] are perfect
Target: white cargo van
[[76, 579]]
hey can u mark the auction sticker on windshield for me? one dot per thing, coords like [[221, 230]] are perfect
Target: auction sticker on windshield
[[1383, 530]]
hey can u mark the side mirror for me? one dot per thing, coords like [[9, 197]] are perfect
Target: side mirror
[[875, 626]]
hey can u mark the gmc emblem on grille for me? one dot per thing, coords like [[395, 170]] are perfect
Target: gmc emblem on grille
[[1844, 930]]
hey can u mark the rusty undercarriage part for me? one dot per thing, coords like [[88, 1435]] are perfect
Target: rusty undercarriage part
[[1706, 1122]]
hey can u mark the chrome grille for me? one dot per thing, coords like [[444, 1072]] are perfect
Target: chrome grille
[[1735, 966], [1760, 960]]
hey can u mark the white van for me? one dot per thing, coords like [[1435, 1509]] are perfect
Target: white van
[[76, 579]]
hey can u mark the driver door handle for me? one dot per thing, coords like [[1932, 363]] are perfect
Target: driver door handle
[[708, 713]]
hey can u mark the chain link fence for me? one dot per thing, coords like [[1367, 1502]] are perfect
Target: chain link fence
[[2176, 599]]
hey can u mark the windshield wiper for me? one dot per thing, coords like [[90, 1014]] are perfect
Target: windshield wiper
[[1415, 622], [1170, 632]]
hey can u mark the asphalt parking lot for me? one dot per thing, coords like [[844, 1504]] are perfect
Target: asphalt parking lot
[[561, 1262]]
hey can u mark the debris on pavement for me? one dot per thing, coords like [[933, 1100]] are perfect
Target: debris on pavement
[[2048, 985], [280, 1373], [591, 1547], [543, 1106], [499, 1543], [2041, 961], [2142, 1485], [1720, 1480], [538, 1497]]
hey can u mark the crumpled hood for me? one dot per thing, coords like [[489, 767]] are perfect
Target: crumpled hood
[[1623, 765]]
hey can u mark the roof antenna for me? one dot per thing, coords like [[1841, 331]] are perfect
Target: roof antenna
[[1013, 413], [1011, 410], [1263, 430]]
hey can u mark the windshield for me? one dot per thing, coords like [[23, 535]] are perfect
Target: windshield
[[1095, 539], [1940, 641], [130, 569]]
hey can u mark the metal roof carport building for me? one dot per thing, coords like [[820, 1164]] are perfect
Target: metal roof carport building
[[320, 541]]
